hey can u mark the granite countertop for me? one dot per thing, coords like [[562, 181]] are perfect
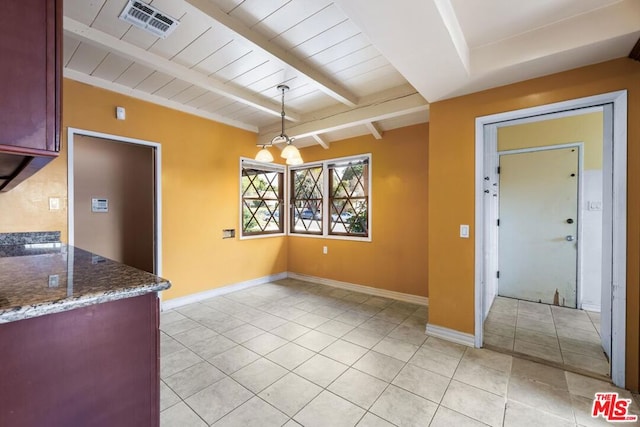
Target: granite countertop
[[45, 278]]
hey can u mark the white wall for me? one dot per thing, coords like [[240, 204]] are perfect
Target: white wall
[[591, 274]]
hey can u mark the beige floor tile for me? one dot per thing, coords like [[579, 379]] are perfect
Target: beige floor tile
[[371, 420], [597, 365], [328, 311], [539, 351], [547, 328], [335, 328], [259, 375], [498, 341], [315, 341], [400, 350], [194, 335], [379, 365], [379, 302], [218, 399], [391, 315], [290, 331], [538, 338], [363, 337], [541, 396], [435, 361], [504, 318], [497, 328], [446, 347], [544, 374], [344, 352], [290, 393], [587, 387], [353, 318], [181, 325], [167, 317], [545, 318], [533, 307], [358, 387], [168, 345], [586, 348], [489, 358], [327, 409], [243, 333], [582, 408], [482, 377], [578, 334], [233, 359], [412, 335], [424, 383], [403, 408], [290, 355], [446, 417], [180, 415], [379, 325], [212, 346], [265, 343], [475, 403], [584, 324], [193, 379], [520, 415], [321, 370], [168, 397], [254, 413], [311, 320], [177, 361]]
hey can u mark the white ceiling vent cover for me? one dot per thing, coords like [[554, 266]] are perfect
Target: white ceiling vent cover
[[148, 18]]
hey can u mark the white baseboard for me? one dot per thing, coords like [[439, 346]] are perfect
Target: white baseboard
[[415, 299], [450, 335], [591, 307], [197, 297]]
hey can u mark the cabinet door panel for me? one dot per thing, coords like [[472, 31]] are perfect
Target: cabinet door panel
[[29, 87]]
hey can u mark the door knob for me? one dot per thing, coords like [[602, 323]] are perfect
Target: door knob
[[569, 238], [569, 220]]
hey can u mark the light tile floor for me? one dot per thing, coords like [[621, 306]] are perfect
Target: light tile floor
[[293, 353], [565, 337]]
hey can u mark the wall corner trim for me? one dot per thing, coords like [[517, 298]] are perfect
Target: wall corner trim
[[200, 296], [415, 299], [450, 335]]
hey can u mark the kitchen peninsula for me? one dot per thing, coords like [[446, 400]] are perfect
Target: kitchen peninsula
[[79, 339]]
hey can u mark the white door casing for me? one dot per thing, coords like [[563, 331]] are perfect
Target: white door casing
[[614, 209], [538, 224]]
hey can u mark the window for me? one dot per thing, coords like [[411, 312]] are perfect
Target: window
[[262, 197], [332, 198], [306, 202]]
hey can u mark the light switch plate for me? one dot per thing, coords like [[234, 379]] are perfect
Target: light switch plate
[[54, 203], [464, 231]]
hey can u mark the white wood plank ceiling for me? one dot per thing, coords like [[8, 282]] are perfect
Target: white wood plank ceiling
[[353, 66]]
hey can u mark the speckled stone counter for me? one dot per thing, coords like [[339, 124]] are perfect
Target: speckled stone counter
[[39, 279]]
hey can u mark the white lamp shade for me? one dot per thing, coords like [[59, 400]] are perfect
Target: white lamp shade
[[295, 160], [290, 151], [264, 156]]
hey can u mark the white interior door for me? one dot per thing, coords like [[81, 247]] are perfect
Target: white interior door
[[538, 225]]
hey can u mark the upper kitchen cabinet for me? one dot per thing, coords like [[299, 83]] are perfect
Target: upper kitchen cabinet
[[30, 77]]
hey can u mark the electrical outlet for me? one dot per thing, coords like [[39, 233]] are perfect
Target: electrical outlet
[[325, 250], [464, 231], [54, 203], [54, 280]]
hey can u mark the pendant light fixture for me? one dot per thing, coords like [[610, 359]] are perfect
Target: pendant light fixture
[[290, 152]]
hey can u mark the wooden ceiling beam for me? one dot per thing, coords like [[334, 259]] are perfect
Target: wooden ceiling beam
[[324, 83]]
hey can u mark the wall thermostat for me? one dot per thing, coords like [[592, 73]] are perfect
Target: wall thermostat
[[99, 205]]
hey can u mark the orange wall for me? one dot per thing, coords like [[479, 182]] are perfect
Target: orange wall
[[451, 187], [200, 190], [395, 258]]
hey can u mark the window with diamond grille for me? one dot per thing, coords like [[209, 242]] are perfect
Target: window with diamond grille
[[349, 198], [306, 200], [262, 195]]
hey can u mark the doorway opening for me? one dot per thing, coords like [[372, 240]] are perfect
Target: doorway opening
[[611, 260], [114, 198]]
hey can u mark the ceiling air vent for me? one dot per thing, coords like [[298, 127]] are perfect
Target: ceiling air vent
[[148, 18]]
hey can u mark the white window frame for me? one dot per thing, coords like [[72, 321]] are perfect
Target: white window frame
[[325, 198], [271, 167]]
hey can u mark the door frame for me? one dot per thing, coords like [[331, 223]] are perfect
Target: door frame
[[157, 148], [614, 248], [579, 200]]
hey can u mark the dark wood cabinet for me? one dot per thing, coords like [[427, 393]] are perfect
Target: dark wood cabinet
[[30, 78], [91, 366]]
